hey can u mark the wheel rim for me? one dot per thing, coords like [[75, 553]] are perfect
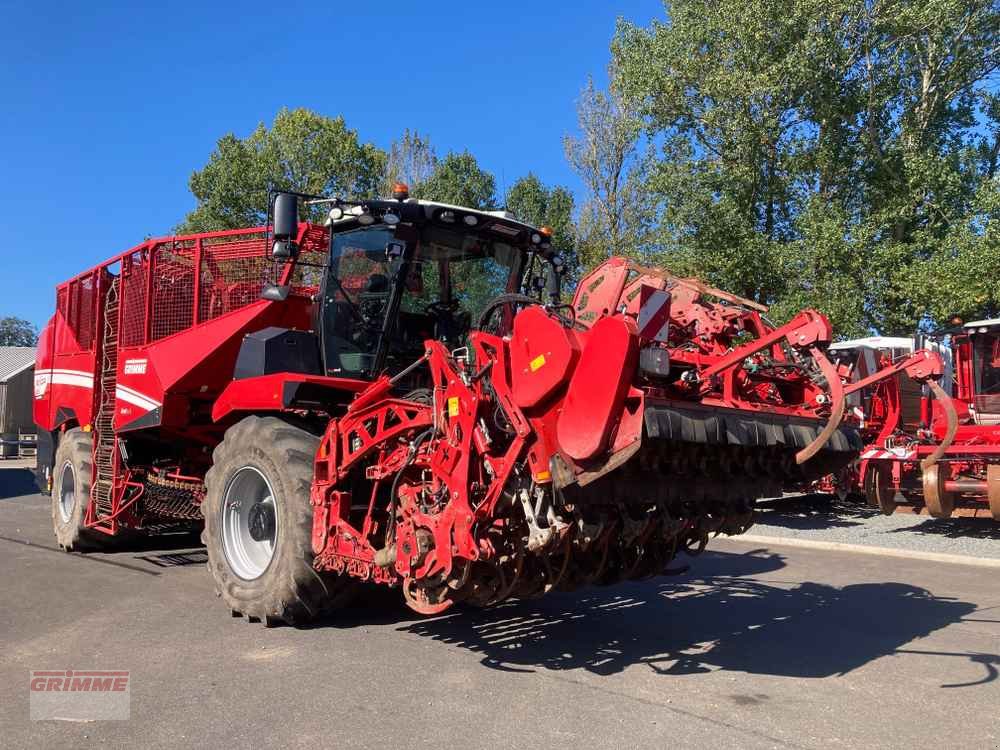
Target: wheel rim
[[249, 523], [67, 492]]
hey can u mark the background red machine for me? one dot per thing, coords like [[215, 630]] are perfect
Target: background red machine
[[401, 397], [930, 453]]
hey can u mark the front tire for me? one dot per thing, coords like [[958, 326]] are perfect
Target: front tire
[[72, 478], [258, 524]]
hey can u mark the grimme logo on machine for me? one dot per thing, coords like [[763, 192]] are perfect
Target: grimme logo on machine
[[134, 367], [79, 695], [42, 380]]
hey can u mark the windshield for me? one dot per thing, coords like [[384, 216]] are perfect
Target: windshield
[[986, 359], [451, 276]]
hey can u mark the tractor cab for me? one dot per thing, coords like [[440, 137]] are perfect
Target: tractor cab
[[982, 348], [402, 271]]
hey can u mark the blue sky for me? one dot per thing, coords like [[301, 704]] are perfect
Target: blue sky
[[109, 107]]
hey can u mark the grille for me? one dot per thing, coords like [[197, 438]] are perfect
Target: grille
[[232, 275], [133, 329], [84, 316], [169, 498], [313, 255], [182, 281]]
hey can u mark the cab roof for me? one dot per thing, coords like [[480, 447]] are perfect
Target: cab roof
[[988, 323], [431, 210]]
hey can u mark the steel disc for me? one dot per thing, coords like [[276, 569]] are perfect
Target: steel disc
[[993, 489], [878, 491], [940, 503]]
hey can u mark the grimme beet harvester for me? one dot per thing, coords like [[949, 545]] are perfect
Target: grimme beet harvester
[[941, 455], [400, 397]]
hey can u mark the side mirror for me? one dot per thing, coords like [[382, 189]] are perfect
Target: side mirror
[[553, 279], [286, 226]]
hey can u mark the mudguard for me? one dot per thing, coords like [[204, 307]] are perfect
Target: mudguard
[[596, 394]]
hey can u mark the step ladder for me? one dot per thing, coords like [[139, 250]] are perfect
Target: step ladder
[[105, 441]]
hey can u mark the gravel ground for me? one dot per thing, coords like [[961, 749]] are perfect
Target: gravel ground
[[825, 518]]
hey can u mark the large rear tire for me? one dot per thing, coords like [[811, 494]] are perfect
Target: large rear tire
[[71, 481], [258, 524]]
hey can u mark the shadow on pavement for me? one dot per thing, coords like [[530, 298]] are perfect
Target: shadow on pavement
[[716, 618], [807, 512], [178, 559], [165, 542], [16, 481], [165, 551], [378, 605], [956, 528]]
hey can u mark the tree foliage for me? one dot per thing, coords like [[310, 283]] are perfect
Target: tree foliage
[[411, 160], [840, 154], [301, 151], [458, 179], [616, 217], [17, 332], [531, 201]]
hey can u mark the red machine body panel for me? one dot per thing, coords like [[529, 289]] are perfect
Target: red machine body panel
[[543, 353], [144, 344], [271, 392], [178, 329], [597, 388]]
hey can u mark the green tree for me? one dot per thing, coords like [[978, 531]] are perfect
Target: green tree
[[411, 160], [458, 179], [832, 153], [17, 332], [617, 211], [302, 151], [531, 201]]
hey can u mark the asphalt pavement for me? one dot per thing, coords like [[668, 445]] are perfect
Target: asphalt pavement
[[755, 646]]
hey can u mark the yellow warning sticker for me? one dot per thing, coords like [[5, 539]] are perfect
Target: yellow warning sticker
[[537, 363], [453, 406]]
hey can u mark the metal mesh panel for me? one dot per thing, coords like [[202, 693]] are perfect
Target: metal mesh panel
[[85, 315], [313, 256], [74, 311], [61, 301], [173, 288], [230, 275], [233, 272], [987, 409], [76, 302], [133, 328]]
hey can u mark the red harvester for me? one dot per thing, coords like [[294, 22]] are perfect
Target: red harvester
[[943, 454], [400, 398]]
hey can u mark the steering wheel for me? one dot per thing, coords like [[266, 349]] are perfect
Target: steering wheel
[[450, 323], [500, 311], [442, 308]]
